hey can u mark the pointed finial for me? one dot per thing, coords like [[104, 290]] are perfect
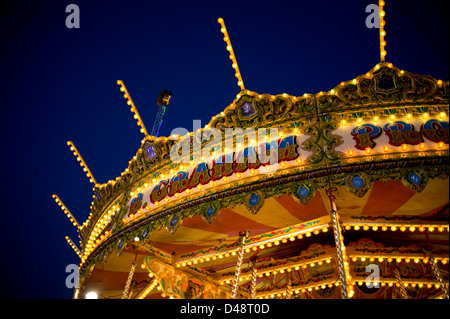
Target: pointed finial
[[74, 247], [66, 211], [382, 32], [232, 55], [132, 107], [82, 162]]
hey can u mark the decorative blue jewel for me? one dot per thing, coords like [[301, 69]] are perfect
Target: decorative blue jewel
[[254, 199], [358, 182]]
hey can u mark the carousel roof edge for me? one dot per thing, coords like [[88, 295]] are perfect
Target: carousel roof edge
[[383, 87]]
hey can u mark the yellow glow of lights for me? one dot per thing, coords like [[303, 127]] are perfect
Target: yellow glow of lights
[[133, 107], [82, 162], [232, 55], [66, 211], [75, 248], [382, 32]]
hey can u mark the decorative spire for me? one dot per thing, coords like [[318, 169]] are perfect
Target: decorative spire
[[66, 211], [133, 107], [382, 32], [82, 162], [74, 247], [232, 55]]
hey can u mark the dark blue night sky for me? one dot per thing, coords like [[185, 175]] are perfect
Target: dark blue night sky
[[59, 84]]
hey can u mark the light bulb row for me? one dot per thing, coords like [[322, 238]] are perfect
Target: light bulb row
[[392, 117], [398, 259], [280, 270], [82, 162], [396, 227], [133, 108], [304, 289], [75, 248], [249, 248], [148, 289], [232, 55], [65, 210]]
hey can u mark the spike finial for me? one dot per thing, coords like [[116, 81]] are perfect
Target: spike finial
[[74, 247], [133, 108], [82, 162], [382, 13], [232, 55], [66, 211]]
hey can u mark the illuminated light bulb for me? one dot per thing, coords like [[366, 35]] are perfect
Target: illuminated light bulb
[[355, 259], [442, 114], [402, 228], [441, 145], [92, 295], [431, 229], [404, 147], [359, 120], [368, 150], [393, 228], [343, 122], [425, 115], [366, 227], [440, 229], [350, 152], [408, 116], [356, 227], [421, 228], [398, 259], [412, 228], [308, 234], [444, 261], [407, 260], [386, 148], [380, 259]]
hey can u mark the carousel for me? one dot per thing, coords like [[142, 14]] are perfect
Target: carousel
[[339, 194]]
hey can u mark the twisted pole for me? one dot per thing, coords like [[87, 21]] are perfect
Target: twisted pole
[[242, 236]]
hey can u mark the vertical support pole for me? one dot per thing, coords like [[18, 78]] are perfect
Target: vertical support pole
[[242, 236], [340, 248], [288, 286], [130, 277], [253, 285], [438, 276], [400, 283]]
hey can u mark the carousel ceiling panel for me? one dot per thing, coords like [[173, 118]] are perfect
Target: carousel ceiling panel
[[349, 204], [272, 214], [227, 221], [434, 195], [315, 208], [195, 236], [181, 248], [386, 198]]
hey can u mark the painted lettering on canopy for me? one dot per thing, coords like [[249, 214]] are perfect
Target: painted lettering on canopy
[[402, 133], [285, 149], [436, 131], [365, 134]]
